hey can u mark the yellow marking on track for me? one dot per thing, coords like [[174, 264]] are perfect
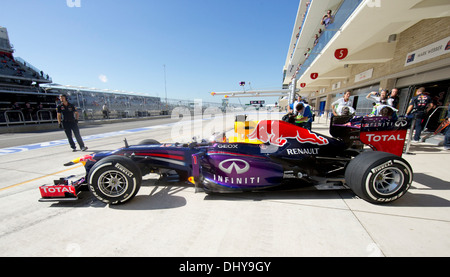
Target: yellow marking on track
[[42, 177]]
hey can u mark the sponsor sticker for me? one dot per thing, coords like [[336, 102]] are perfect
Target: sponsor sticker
[[124, 170]]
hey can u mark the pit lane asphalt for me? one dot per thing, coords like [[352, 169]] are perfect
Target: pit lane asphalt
[[172, 219]]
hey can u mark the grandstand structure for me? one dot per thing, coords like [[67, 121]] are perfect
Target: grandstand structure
[[106, 104], [21, 97], [29, 96], [369, 45]]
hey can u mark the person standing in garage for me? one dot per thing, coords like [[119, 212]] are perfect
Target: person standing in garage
[[447, 133], [419, 106], [67, 115]]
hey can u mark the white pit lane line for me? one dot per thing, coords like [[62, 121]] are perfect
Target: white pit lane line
[[24, 148], [12, 150]]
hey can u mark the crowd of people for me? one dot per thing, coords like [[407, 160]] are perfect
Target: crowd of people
[[326, 20], [29, 111], [10, 66], [385, 103]]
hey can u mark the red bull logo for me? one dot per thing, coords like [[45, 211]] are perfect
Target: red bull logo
[[277, 132]]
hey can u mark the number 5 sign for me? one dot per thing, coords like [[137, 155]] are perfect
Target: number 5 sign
[[341, 54]]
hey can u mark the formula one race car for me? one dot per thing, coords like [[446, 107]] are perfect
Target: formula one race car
[[283, 155]]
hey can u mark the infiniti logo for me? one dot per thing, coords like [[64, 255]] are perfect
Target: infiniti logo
[[240, 166]]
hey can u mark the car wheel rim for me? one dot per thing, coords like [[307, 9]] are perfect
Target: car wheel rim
[[388, 181], [113, 183]]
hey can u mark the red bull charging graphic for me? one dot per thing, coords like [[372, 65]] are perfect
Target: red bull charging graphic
[[277, 133]]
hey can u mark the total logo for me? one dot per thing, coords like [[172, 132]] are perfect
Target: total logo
[[386, 138], [387, 141], [57, 191]]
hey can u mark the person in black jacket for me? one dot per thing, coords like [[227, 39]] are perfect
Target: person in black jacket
[[393, 99], [419, 106], [447, 133], [67, 115]]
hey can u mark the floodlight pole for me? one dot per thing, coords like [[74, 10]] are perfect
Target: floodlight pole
[[165, 85], [253, 92], [293, 91]]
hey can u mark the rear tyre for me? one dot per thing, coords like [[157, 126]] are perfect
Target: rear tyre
[[115, 179], [379, 177], [149, 142]]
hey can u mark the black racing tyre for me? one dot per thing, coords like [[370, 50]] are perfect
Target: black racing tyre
[[378, 177], [149, 142], [182, 175], [115, 179]]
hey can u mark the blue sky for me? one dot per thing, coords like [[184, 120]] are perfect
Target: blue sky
[[205, 45]]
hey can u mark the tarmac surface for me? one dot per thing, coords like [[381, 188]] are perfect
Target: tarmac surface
[[174, 220]]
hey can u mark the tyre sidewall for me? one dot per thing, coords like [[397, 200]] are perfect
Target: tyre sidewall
[[123, 166], [373, 195], [363, 172]]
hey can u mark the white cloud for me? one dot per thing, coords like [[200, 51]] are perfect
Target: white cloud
[[103, 78]]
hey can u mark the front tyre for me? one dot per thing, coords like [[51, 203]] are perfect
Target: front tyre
[[379, 177], [115, 179]]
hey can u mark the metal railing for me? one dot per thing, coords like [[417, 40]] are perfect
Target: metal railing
[[343, 13], [12, 117]]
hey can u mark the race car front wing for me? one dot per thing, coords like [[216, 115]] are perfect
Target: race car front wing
[[62, 190]]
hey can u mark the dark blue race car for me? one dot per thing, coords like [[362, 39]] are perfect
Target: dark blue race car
[[277, 154]]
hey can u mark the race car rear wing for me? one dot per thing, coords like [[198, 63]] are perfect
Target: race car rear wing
[[379, 133], [383, 134]]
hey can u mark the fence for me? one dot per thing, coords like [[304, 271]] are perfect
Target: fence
[[12, 117]]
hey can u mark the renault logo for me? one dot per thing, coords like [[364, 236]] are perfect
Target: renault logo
[[240, 166]]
